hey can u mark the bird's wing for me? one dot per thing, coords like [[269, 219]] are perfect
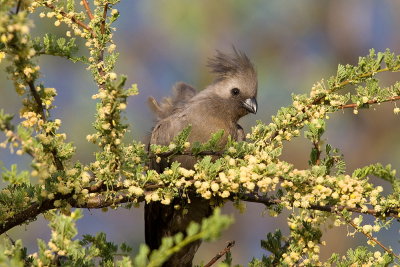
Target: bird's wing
[[163, 134], [182, 93]]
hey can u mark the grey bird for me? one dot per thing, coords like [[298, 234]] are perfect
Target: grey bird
[[231, 96]]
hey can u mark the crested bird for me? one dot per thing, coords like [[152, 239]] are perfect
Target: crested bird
[[219, 106]]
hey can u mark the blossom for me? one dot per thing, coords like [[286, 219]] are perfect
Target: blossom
[[137, 191], [214, 187], [111, 48], [2, 55], [113, 75]]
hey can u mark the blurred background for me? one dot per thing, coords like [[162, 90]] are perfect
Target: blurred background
[[293, 44]]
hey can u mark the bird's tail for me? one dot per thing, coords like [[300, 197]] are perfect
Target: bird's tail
[[164, 220]]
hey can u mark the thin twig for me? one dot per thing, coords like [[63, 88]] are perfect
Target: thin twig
[[186, 153], [318, 151], [15, 136], [38, 100], [87, 8], [41, 111], [328, 208], [221, 253], [370, 237], [371, 102], [103, 22], [18, 6], [11, 240], [342, 84], [349, 81], [73, 18], [100, 59]]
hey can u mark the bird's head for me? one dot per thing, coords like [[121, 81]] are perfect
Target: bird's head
[[236, 81]]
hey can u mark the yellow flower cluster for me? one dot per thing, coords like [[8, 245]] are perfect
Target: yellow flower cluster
[[2, 55], [31, 119]]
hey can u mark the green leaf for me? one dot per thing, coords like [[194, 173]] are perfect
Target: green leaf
[[70, 5], [14, 177]]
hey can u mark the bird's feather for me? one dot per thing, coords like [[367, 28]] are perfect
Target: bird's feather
[[182, 92], [209, 111]]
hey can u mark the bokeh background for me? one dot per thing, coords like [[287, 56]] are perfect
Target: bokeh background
[[293, 45]]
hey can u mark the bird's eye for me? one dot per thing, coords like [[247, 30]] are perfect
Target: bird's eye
[[235, 91]]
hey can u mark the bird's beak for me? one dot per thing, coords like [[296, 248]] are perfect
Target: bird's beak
[[250, 104]]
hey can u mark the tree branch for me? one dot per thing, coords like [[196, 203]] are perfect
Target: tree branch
[[73, 18], [87, 8], [15, 136], [346, 82], [353, 105], [30, 213], [221, 253], [38, 100], [103, 22], [18, 7], [318, 151], [328, 208], [373, 239], [342, 84], [121, 197], [41, 111], [185, 153], [100, 59]]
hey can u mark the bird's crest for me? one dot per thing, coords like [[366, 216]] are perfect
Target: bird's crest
[[226, 65]]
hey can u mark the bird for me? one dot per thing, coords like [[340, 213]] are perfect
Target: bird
[[232, 95]]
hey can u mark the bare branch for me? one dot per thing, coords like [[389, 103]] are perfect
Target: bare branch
[[87, 8], [221, 253]]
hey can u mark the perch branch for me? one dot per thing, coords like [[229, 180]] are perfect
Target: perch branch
[[221, 253], [185, 153], [121, 197]]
